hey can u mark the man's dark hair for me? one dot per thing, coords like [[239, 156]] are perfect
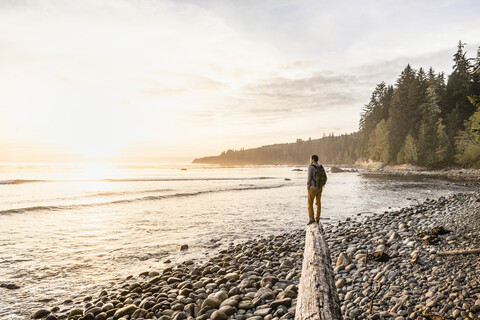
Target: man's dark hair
[[314, 157]]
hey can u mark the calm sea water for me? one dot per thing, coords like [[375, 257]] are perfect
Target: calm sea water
[[67, 231]]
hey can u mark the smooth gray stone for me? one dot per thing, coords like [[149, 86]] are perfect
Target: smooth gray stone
[[40, 313]]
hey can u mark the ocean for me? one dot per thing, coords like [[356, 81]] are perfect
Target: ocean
[[70, 230]]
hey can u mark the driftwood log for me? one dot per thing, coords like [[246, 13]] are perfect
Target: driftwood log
[[459, 252], [317, 295]]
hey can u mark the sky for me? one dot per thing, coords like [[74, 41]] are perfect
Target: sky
[[169, 81]]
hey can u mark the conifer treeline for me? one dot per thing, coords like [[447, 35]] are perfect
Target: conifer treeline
[[334, 149], [423, 120]]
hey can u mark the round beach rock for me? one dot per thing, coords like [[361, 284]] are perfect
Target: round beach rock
[[286, 264], [125, 310], [40, 314], [218, 315], [340, 283], [228, 310], [232, 276], [211, 303], [265, 293], [76, 312]]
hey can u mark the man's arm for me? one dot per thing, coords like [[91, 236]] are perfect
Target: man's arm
[[310, 176]]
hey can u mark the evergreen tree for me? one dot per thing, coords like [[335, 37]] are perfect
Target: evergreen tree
[[476, 75], [430, 111], [374, 112], [474, 121], [459, 87], [468, 140], [403, 111], [444, 149], [378, 147], [408, 153]]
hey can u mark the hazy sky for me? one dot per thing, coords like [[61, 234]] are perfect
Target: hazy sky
[[153, 80]]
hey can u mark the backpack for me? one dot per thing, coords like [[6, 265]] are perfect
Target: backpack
[[320, 177]]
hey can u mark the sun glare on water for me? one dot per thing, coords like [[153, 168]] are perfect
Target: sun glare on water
[[95, 171], [94, 178]]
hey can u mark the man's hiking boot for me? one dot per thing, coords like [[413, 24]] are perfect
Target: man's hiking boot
[[317, 220], [310, 222]]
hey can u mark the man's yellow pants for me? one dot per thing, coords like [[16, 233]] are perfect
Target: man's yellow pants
[[314, 194]]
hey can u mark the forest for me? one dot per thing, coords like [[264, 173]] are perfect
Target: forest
[[424, 119]]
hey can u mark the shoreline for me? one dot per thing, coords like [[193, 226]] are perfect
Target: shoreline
[[471, 175], [257, 279], [465, 174]]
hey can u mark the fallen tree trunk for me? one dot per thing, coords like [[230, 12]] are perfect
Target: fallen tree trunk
[[317, 295], [458, 252]]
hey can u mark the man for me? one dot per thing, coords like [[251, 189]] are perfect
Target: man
[[315, 182]]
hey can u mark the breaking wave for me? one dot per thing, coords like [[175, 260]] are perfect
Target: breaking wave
[[145, 198]]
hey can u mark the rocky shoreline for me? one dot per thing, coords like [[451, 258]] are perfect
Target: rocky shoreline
[[454, 174], [415, 280], [257, 280]]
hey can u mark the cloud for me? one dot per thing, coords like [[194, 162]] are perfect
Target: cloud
[[163, 92], [388, 70], [184, 82], [286, 97], [211, 67]]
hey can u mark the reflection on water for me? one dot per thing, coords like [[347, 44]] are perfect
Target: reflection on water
[[71, 246]]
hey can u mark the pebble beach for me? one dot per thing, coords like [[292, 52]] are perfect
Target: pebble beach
[[258, 279]]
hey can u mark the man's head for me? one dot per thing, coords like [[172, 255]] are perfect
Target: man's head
[[313, 158]]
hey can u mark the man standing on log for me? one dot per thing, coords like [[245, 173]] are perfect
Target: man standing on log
[[315, 181]]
